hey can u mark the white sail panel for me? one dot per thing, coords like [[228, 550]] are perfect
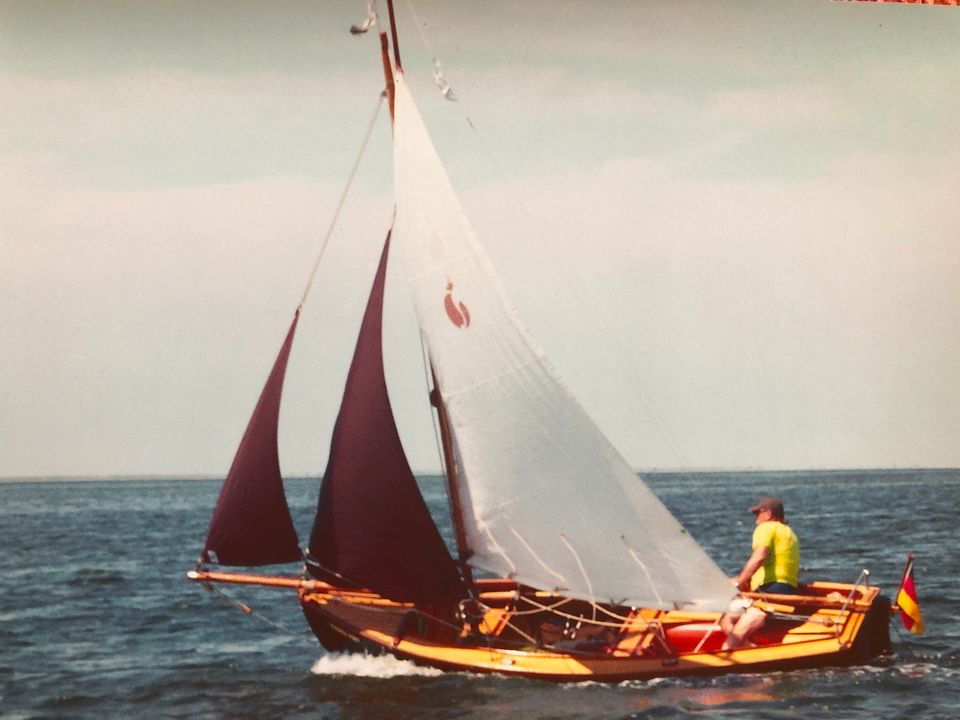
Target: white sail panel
[[547, 499]]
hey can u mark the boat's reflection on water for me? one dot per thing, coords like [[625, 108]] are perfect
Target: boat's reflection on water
[[747, 690]]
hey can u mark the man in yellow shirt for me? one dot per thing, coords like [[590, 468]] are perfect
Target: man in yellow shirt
[[772, 567]]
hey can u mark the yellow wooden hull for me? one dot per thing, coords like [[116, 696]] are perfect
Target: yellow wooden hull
[[831, 624]]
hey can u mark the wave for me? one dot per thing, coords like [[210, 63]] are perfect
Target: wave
[[378, 666]]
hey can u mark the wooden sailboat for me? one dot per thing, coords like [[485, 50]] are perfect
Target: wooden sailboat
[[587, 575]]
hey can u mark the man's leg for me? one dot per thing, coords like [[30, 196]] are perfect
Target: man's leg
[[748, 623]]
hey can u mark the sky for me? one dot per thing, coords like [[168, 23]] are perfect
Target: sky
[[734, 227]]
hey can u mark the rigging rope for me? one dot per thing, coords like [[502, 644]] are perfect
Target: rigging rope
[[583, 572], [646, 572], [570, 616], [247, 610], [343, 199]]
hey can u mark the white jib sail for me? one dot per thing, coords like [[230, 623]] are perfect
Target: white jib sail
[[546, 498]]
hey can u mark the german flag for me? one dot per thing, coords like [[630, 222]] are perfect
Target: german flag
[[907, 601]]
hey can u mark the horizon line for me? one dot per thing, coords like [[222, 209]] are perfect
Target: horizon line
[[121, 477]]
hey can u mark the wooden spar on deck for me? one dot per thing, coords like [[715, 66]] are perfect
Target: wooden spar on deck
[[294, 583], [811, 600]]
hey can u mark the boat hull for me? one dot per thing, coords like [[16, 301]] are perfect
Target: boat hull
[[835, 625]]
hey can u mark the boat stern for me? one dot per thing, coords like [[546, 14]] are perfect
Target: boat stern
[[873, 640]]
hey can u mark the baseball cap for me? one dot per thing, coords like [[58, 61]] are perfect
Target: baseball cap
[[768, 502]]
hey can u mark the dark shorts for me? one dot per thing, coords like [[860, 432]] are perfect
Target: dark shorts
[[778, 588]]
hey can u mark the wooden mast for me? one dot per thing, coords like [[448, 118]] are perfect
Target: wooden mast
[[385, 56], [453, 486], [393, 35], [387, 71]]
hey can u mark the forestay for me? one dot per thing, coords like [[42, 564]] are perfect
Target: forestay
[[546, 498]]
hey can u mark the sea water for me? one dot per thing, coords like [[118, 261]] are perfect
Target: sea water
[[98, 621]]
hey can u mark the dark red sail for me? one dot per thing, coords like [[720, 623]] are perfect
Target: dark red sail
[[251, 524], [373, 527]]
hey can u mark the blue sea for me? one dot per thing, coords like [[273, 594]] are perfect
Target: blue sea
[[98, 621]]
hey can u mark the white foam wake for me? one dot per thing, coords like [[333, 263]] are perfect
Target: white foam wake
[[379, 666]]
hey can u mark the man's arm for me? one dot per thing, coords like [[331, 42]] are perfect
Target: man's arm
[[754, 563]]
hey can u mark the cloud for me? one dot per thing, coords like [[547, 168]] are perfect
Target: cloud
[[762, 320], [143, 322], [778, 107], [165, 127]]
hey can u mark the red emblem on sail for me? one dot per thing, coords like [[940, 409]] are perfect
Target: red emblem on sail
[[456, 311]]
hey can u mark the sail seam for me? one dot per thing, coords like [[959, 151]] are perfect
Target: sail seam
[[492, 380]]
